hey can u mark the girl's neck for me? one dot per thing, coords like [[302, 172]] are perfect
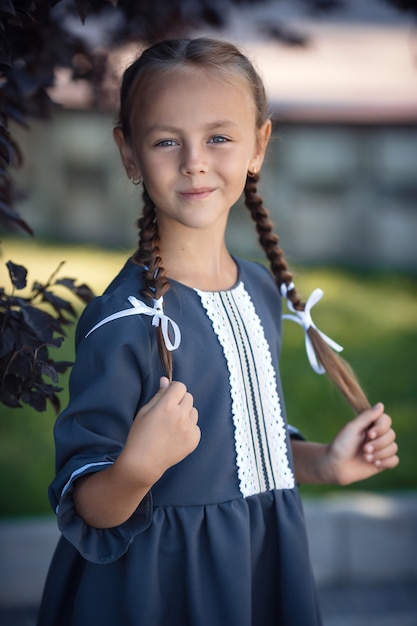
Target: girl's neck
[[207, 268]]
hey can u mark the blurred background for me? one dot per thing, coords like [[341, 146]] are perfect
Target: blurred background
[[340, 180], [341, 175]]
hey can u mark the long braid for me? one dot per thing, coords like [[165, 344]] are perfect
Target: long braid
[[338, 370], [268, 239], [154, 275]]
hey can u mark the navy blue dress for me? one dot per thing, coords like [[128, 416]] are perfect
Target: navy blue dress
[[220, 539]]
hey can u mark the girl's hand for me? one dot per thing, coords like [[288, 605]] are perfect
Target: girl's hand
[[163, 433], [362, 448]]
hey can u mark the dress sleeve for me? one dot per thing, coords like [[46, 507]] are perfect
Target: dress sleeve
[[295, 433], [111, 378]]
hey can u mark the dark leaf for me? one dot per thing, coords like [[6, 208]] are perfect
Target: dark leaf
[[52, 388], [50, 371], [214, 16], [41, 323], [317, 7], [21, 365], [16, 113], [57, 342], [6, 6], [10, 149], [282, 33], [11, 385], [27, 12], [82, 8], [10, 214], [82, 291], [3, 161], [35, 398], [62, 366], [42, 353], [5, 53], [6, 342], [9, 399], [12, 316], [4, 173], [59, 304], [69, 283], [30, 84], [54, 400], [17, 274]]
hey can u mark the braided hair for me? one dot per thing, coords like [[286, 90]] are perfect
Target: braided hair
[[154, 275], [225, 59], [337, 368]]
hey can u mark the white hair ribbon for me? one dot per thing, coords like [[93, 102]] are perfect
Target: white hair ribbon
[[284, 289], [303, 318], [159, 317]]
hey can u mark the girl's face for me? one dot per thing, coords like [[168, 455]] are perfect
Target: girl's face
[[194, 138]]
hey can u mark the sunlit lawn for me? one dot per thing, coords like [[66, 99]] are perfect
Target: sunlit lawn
[[373, 315]]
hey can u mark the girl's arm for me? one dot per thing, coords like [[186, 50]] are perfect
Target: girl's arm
[[163, 433], [362, 448]]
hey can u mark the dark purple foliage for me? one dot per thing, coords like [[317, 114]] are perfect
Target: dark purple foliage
[[27, 333], [35, 40]]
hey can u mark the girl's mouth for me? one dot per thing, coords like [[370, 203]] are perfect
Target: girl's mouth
[[196, 193]]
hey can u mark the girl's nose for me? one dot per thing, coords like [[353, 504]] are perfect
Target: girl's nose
[[194, 160]]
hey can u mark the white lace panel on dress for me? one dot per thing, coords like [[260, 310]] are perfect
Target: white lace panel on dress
[[260, 431]]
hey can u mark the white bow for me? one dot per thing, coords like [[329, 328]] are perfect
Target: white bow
[[303, 318], [159, 317]]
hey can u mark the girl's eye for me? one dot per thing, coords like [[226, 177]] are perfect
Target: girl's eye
[[218, 139], [166, 143]]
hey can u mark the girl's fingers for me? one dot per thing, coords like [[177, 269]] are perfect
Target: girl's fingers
[[388, 463], [380, 426], [383, 455], [375, 445], [368, 419], [194, 415], [387, 453]]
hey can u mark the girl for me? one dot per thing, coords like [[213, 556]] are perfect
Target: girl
[[176, 474]]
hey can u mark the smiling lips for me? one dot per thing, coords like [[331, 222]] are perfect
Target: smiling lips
[[196, 193]]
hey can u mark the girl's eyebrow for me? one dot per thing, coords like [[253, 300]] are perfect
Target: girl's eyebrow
[[174, 129], [220, 124]]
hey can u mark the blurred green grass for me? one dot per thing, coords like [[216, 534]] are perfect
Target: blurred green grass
[[373, 315]]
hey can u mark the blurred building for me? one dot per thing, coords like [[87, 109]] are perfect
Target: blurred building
[[340, 178]]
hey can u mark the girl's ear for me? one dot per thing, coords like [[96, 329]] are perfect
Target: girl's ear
[[126, 153], [262, 137]]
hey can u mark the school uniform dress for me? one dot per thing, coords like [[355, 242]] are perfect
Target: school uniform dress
[[220, 539]]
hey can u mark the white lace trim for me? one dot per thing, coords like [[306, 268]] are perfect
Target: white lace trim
[[260, 430]]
